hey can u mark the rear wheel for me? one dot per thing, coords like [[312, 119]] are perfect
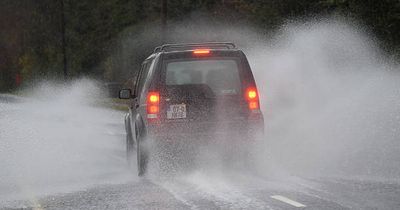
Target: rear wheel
[[239, 154], [142, 159], [248, 157], [130, 149], [142, 155], [252, 149]]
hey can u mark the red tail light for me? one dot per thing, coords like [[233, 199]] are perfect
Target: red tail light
[[154, 97], [201, 51], [252, 98], [252, 94], [253, 105], [153, 109], [153, 104]]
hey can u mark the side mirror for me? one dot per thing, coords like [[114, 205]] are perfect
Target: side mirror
[[125, 94]]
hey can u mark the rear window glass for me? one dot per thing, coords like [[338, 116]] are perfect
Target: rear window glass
[[222, 76]]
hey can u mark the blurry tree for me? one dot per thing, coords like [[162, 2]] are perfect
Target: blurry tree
[[14, 16], [381, 16], [30, 39]]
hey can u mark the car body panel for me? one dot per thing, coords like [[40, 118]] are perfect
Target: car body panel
[[207, 115]]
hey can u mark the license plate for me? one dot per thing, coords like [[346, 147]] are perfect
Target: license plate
[[176, 111]]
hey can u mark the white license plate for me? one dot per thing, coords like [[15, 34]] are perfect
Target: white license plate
[[176, 111]]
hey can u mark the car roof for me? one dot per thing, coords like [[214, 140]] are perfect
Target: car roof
[[188, 47], [192, 46]]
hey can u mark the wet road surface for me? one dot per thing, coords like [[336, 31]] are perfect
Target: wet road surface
[[75, 188], [198, 191]]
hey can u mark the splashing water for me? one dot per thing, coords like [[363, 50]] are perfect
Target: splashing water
[[59, 139], [331, 101], [330, 98]]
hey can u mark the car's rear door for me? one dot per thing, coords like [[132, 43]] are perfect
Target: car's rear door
[[138, 107], [202, 88]]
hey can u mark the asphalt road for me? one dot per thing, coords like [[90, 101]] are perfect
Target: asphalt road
[[197, 188], [199, 191]]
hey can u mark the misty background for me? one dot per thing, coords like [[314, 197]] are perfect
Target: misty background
[[327, 72], [108, 40]]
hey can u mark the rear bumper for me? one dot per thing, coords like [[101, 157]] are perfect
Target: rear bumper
[[207, 131]]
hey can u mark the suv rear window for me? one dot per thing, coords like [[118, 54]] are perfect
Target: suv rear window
[[221, 75]]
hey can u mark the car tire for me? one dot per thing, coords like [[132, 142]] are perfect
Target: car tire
[[142, 156], [130, 149], [251, 151], [249, 159]]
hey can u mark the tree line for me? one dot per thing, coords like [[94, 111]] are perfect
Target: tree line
[[31, 30]]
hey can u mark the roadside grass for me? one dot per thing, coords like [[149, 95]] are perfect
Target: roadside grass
[[113, 103]]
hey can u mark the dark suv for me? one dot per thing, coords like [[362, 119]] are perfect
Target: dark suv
[[192, 92]]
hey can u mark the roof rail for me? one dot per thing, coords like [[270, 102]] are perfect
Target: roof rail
[[189, 46]]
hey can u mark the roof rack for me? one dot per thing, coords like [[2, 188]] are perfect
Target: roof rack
[[190, 46]]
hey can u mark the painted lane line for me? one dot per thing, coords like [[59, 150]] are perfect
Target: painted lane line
[[288, 201]]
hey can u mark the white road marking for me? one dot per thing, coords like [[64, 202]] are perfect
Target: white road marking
[[288, 201]]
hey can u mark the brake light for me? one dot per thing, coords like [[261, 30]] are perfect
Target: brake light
[[154, 98], [153, 104], [201, 51], [252, 98], [252, 94]]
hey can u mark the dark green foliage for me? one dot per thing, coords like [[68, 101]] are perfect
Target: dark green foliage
[[30, 35]]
